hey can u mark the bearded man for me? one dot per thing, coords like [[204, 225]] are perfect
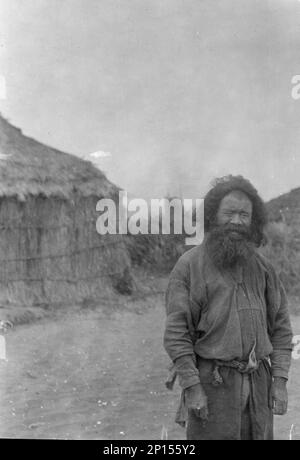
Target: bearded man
[[228, 331]]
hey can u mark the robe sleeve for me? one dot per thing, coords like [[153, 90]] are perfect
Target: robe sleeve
[[281, 336], [178, 335]]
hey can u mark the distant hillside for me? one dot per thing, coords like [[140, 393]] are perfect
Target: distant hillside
[[283, 233], [286, 208]]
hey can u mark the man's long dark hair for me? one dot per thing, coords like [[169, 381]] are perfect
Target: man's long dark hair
[[222, 187]]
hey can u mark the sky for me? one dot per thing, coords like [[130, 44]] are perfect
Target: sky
[[175, 92]]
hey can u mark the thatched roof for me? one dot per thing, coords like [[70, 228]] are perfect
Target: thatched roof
[[28, 167]]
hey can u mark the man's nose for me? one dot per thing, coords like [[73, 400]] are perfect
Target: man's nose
[[236, 220]]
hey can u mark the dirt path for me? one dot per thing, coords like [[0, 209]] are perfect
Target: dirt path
[[90, 376]]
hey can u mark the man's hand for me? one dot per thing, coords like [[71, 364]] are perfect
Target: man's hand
[[279, 396], [196, 399]]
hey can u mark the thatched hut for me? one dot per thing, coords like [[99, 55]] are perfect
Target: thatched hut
[[50, 251]]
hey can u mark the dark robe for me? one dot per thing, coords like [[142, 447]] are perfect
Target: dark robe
[[214, 315]]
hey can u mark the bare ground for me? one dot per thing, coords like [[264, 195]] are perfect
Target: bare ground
[[99, 374]]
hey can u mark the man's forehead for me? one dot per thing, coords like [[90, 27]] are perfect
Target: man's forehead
[[236, 199]]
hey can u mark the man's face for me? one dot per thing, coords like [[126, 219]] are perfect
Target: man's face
[[235, 208], [230, 239]]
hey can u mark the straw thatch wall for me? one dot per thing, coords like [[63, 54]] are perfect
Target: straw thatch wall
[[50, 251]]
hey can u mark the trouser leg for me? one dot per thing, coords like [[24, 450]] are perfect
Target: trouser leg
[[246, 432]]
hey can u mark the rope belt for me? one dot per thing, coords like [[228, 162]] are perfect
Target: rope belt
[[244, 367], [240, 366]]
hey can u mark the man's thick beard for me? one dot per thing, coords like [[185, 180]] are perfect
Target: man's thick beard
[[228, 249]]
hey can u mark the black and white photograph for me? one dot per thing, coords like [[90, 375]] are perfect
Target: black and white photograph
[[150, 222]]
